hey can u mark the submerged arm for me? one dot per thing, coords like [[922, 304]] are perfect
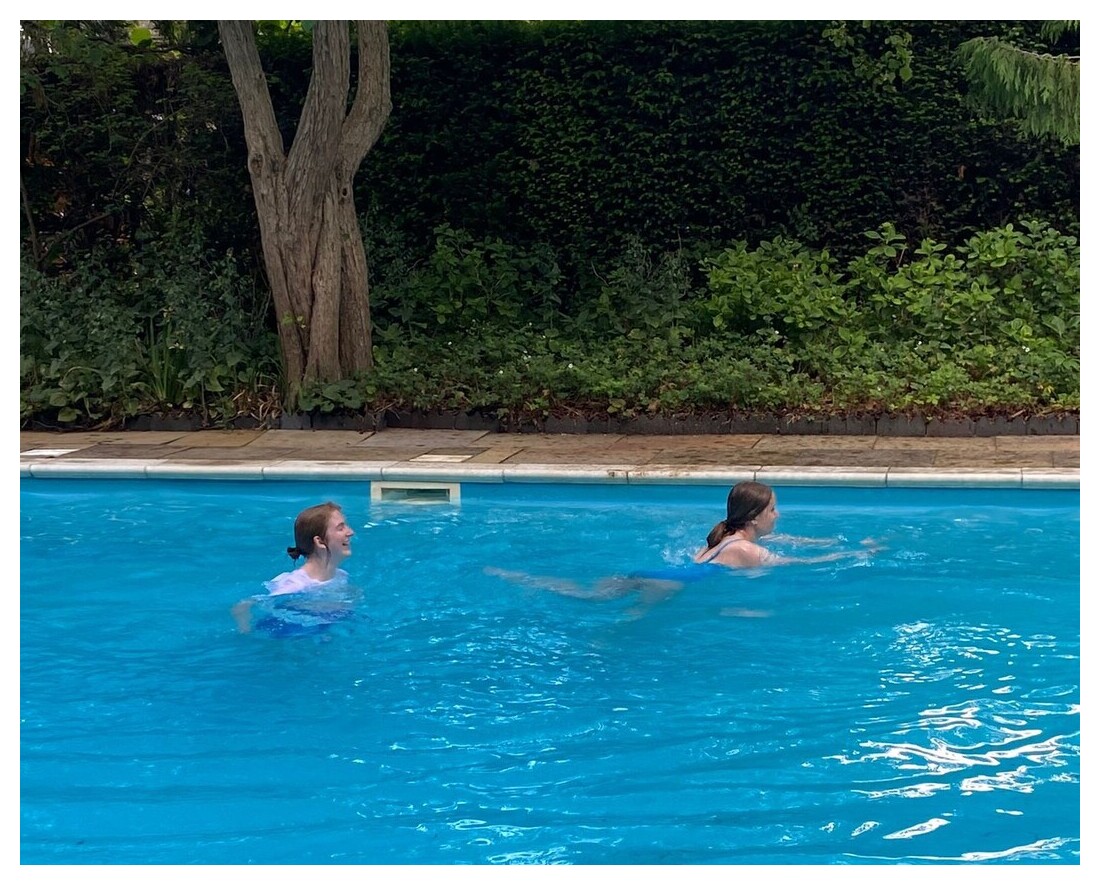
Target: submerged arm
[[799, 539], [242, 614], [870, 547]]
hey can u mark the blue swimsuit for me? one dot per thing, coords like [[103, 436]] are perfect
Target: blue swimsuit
[[687, 573], [291, 610], [292, 621]]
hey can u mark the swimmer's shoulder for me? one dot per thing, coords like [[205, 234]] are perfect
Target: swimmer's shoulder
[[741, 553], [291, 582], [714, 554]]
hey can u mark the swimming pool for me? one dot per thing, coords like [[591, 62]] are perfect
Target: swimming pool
[[920, 707]]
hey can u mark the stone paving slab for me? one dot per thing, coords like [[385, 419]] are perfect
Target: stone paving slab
[[118, 450], [304, 439], [1031, 443], [705, 453], [673, 458], [495, 455], [814, 457], [220, 439], [428, 439], [836, 444], [1066, 459], [212, 453], [937, 444], [996, 459], [561, 442], [36, 439], [548, 456], [703, 441]]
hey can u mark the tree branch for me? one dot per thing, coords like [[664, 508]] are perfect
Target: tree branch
[[371, 108], [317, 141], [261, 130], [30, 221]]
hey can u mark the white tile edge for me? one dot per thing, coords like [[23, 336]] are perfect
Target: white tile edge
[[960, 479], [823, 476], [75, 468], [203, 471], [694, 475], [1026, 478], [443, 473]]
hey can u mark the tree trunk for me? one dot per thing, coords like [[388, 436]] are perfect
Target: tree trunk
[[313, 251]]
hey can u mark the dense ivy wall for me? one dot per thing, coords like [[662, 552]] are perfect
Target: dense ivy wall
[[582, 134], [577, 135], [120, 145]]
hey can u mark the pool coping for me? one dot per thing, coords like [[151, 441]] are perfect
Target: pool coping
[[47, 467]]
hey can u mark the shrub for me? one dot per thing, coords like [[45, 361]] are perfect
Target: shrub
[[164, 334]]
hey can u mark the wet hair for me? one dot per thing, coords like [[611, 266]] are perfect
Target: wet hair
[[311, 523], [746, 501]]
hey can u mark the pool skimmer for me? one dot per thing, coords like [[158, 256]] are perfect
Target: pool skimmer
[[415, 492]]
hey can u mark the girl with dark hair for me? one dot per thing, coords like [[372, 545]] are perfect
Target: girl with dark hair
[[751, 514]]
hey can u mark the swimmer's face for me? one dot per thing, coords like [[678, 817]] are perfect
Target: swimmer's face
[[766, 519], [337, 539]]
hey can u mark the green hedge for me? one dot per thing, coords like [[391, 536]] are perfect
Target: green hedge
[[583, 135], [992, 326], [579, 136]]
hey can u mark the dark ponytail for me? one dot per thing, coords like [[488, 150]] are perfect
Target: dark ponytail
[[717, 534]]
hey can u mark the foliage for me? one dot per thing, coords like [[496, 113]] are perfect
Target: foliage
[[98, 345], [584, 135], [644, 294], [779, 286], [598, 218], [119, 140], [991, 326], [881, 70], [463, 282], [1039, 89]]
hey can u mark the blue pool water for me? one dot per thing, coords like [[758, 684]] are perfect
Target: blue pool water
[[920, 707]]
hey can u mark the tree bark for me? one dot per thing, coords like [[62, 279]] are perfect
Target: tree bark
[[313, 251]]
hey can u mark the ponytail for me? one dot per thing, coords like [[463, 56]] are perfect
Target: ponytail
[[717, 533]]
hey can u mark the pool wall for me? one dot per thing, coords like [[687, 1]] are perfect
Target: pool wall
[[403, 472]]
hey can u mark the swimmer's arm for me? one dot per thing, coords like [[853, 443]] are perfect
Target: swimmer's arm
[[242, 614], [800, 539], [865, 553]]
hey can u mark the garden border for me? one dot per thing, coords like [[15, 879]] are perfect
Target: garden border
[[793, 425]]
